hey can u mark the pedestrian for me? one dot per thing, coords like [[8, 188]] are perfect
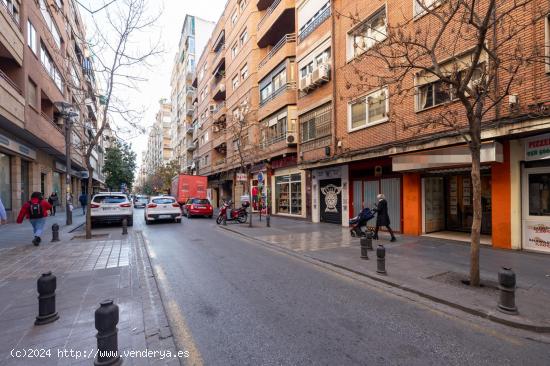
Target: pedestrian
[[83, 198], [36, 210], [3, 214], [382, 217], [53, 200]]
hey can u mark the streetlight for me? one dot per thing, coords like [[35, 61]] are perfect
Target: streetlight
[[68, 112]]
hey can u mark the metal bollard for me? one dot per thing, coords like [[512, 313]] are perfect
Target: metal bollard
[[507, 287], [55, 233], [370, 235], [381, 259], [106, 320], [267, 221], [364, 248], [46, 286], [124, 226]]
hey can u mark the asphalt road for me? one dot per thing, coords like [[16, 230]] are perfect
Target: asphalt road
[[231, 301]]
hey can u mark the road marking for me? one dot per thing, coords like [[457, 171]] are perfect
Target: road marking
[[183, 334]]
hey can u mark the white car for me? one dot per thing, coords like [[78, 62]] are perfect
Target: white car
[[111, 207], [162, 207]]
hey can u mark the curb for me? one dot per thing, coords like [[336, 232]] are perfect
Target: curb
[[384, 279], [77, 227]]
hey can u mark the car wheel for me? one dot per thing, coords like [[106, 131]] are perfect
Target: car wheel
[[178, 221], [147, 222]]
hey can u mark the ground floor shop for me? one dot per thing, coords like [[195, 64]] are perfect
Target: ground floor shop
[[330, 195]]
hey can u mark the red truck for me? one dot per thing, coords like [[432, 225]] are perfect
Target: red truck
[[188, 186]]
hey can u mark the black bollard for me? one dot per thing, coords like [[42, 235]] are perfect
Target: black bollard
[[55, 233], [381, 259], [364, 248], [46, 286], [507, 287], [267, 221], [370, 235], [124, 226], [106, 320]]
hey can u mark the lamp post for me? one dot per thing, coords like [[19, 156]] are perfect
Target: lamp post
[[68, 113]]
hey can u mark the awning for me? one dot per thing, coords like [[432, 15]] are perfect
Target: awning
[[446, 157]]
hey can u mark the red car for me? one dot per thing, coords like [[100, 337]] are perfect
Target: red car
[[198, 207]]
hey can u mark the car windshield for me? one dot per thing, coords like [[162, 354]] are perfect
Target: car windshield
[[163, 200], [199, 201], [109, 199]]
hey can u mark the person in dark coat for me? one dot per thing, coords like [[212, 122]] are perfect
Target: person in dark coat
[[382, 217]]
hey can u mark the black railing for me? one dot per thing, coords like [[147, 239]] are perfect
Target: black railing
[[324, 15]]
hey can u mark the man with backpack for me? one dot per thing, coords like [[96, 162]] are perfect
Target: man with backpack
[[36, 210]]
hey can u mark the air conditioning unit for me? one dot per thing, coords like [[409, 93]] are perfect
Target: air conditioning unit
[[305, 83], [291, 138], [212, 108], [315, 76], [324, 72]]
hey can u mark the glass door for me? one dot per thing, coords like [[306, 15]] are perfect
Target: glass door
[[536, 209]]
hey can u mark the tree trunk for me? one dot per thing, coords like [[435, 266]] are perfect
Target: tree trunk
[[475, 148]]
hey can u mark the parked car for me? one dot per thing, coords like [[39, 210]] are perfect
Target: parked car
[[198, 207], [110, 207], [140, 201], [162, 207]]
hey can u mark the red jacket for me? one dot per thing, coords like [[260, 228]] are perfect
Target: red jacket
[[25, 212]]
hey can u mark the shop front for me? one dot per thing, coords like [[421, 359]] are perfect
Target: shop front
[[536, 194], [370, 178], [330, 192], [287, 188]]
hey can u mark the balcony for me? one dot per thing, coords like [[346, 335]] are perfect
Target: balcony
[[277, 21], [286, 47], [219, 111], [219, 142], [12, 106], [314, 23], [189, 130], [190, 111], [280, 144], [218, 163], [190, 92], [218, 89], [280, 98], [11, 38], [192, 147]]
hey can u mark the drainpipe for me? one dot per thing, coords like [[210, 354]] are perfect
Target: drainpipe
[[333, 57]]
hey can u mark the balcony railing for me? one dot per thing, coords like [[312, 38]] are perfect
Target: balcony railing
[[289, 38], [10, 82], [314, 24], [49, 119], [291, 85], [268, 12], [219, 162], [274, 139], [11, 14]]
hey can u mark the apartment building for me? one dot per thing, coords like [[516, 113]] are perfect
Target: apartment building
[[194, 36], [43, 60], [159, 145]]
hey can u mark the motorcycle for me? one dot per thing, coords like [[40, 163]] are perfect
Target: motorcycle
[[227, 214], [358, 224]]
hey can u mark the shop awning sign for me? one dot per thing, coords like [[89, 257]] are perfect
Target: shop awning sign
[[538, 147], [241, 177], [446, 157]]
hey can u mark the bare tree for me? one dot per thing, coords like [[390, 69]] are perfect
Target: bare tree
[[470, 53], [118, 48]]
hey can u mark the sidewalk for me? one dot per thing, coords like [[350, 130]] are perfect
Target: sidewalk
[[430, 267], [87, 272], [13, 234]]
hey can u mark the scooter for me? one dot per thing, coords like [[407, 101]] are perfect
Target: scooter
[[358, 224], [227, 214]]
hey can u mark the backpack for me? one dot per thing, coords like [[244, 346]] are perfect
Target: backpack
[[35, 210]]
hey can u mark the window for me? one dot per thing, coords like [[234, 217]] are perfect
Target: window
[[539, 199], [244, 37], [50, 67], [5, 180], [288, 194], [306, 70], [323, 57], [279, 80], [32, 42], [368, 110], [235, 82], [206, 159], [244, 72], [311, 16], [266, 92], [50, 23], [74, 76], [421, 5], [432, 94], [234, 17], [372, 31], [234, 50], [32, 96], [242, 4], [13, 9]]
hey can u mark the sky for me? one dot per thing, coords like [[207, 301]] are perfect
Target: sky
[[167, 30]]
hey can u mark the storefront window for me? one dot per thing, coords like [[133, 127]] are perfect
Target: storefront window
[[539, 194], [5, 179], [288, 194], [56, 183]]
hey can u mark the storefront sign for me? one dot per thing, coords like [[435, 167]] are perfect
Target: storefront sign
[[537, 147], [537, 236], [17, 147], [284, 162], [241, 177]]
